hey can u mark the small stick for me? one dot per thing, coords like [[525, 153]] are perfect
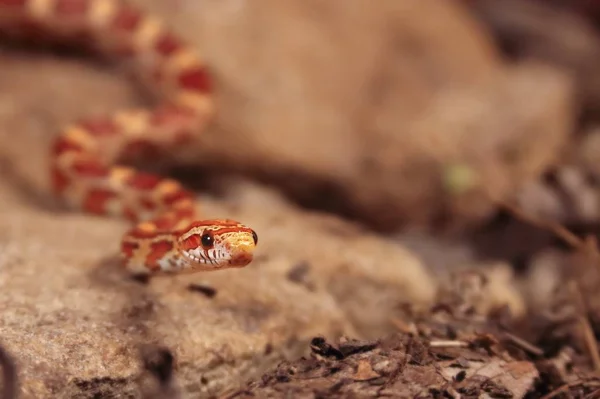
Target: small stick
[[529, 347], [556, 392], [588, 332], [558, 230]]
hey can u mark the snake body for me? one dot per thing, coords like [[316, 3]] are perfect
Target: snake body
[[167, 236]]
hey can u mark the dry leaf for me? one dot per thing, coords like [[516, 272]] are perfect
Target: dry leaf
[[364, 371]]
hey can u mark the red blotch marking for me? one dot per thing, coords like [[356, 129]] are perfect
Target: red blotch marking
[[71, 7], [59, 180], [185, 213], [195, 79], [128, 248], [63, 144], [147, 204], [166, 223], [144, 181], [127, 18], [129, 214], [13, 3], [123, 51], [140, 149], [184, 137], [192, 242], [31, 29], [100, 127], [157, 251], [95, 201], [167, 44], [157, 75], [90, 168]]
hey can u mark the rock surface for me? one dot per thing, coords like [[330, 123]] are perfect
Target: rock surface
[[73, 322], [71, 318]]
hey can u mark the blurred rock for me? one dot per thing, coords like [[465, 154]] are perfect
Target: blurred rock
[[563, 34], [482, 288], [551, 32], [408, 116], [366, 110]]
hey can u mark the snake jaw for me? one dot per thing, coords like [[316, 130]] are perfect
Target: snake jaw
[[234, 253], [218, 244]]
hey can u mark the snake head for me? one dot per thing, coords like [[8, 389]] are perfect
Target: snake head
[[217, 244]]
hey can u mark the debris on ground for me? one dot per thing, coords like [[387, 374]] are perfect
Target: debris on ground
[[449, 350]]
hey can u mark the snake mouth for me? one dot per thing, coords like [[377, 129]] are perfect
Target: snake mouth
[[201, 259], [236, 252]]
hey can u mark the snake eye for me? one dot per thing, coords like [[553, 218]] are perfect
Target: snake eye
[[254, 237], [207, 240]]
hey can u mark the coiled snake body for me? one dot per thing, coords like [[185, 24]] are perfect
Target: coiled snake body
[[167, 237]]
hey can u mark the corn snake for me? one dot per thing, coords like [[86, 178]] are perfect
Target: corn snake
[[85, 168]]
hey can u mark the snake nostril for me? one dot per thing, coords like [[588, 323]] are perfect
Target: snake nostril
[[254, 237]]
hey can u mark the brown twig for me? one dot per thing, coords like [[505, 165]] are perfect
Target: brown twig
[[573, 240], [556, 392], [587, 245], [593, 395], [529, 347], [588, 332]]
